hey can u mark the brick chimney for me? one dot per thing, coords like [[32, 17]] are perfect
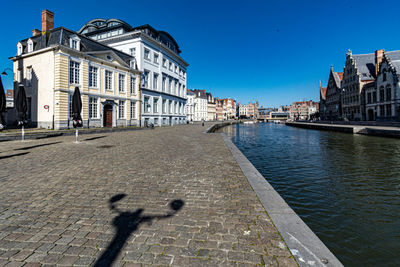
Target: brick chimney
[[47, 20], [378, 60], [36, 32]]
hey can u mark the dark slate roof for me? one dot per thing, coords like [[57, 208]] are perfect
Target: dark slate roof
[[394, 59], [96, 26], [200, 93], [337, 79], [366, 66], [61, 36]]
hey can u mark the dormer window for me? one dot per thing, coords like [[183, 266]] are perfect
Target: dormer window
[[19, 49], [132, 63], [75, 43], [30, 45]]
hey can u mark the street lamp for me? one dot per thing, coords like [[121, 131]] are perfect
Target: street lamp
[[4, 73]]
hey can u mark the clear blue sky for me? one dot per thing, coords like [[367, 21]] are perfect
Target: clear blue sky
[[271, 51]]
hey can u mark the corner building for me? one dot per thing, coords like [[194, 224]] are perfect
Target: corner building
[[52, 62], [164, 79]]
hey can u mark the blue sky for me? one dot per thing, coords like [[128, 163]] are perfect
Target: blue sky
[[271, 51]]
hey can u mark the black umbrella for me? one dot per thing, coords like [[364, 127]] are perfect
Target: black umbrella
[[21, 105], [3, 104], [76, 111], [76, 108], [22, 108]]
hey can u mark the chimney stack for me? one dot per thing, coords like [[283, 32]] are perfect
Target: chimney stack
[[378, 60], [47, 20], [36, 32]]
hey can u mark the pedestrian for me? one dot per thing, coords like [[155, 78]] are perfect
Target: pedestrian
[[202, 122]]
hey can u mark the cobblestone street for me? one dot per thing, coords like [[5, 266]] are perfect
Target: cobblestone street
[[55, 204]]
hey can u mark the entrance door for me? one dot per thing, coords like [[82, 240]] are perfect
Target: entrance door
[[371, 114], [107, 116]]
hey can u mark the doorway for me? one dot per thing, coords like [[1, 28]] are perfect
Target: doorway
[[371, 115], [108, 114]]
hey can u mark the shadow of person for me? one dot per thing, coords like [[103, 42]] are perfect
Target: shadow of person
[[128, 222]]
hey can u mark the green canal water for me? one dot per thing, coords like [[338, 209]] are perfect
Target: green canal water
[[345, 187]]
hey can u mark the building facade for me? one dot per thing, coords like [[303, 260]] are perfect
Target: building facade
[[164, 78], [383, 99], [242, 111], [333, 103], [190, 105], [322, 101], [211, 107], [53, 62], [228, 108], [359, 71], [219, 115], [200, 105], [303, 110]]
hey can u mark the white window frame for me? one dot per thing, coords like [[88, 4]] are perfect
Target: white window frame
[[74, 73], [155, 105], [121, 82], [155, 58], [146, 54], [132, 51], [29, 76], [133, 109], [155, 81], [132, 87], [164, 106], [90, 108], [75, 40], [121, 105], [165, 63], [145, 81], [146, 108], [20, 49], [97, 76], [30, 45], [111, 82]]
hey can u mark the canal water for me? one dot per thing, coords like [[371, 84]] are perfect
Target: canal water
[[345, 187]]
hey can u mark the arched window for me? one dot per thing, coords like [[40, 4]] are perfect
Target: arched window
[[19, 49], [30, 45], [384, 75]]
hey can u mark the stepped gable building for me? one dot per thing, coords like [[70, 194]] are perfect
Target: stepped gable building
[[52, 62], [219, 115], [164, 79], [358, 75], [333, 105], [322, 100], [383, 100]]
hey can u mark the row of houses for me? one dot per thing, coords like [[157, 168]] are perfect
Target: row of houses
[[127, 75], [368, 89], [203, 106]]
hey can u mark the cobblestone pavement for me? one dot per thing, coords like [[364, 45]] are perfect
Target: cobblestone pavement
[[55, 209]]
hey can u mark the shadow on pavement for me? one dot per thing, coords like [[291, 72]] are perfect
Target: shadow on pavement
[[30, 147], [14, 155], [128, 222], [94, 138]]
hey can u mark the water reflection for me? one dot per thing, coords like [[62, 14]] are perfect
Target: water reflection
[[345, 187]]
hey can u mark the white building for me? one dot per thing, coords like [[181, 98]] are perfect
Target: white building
[[200, 105], [52, 63], [190, 105], [164, 79], [243, 111]]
